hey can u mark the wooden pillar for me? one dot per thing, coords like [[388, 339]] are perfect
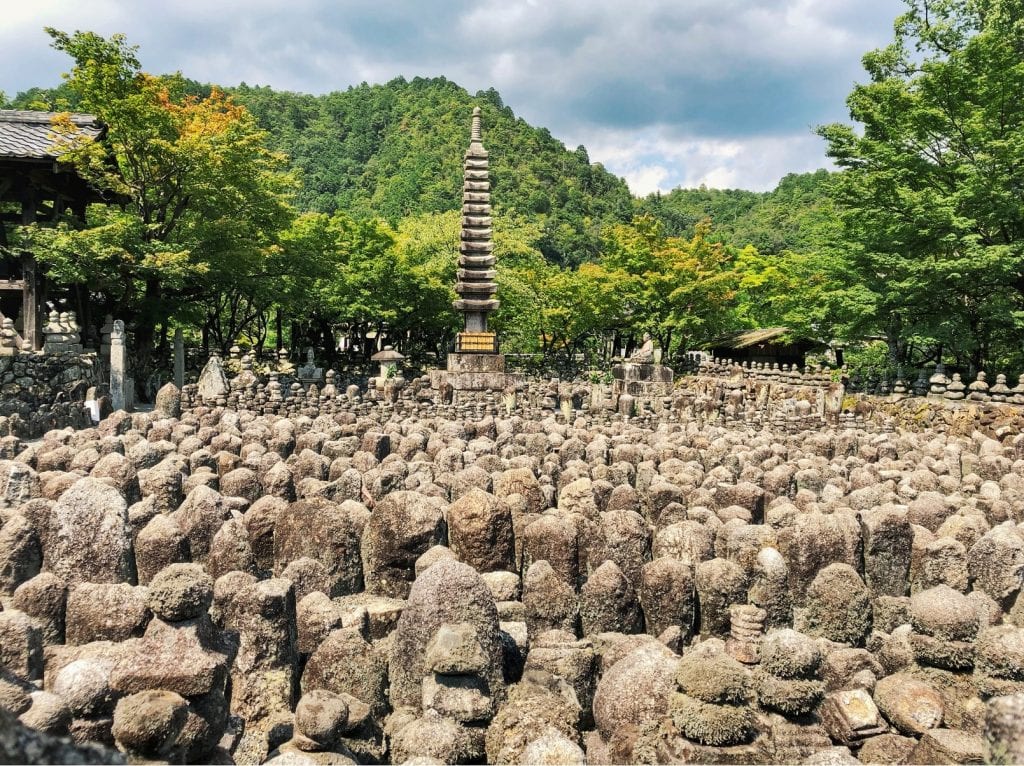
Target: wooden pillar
[[30, 302], [30, 292], [179, 359]]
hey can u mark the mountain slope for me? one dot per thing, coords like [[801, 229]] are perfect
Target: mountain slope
[[396, 150]]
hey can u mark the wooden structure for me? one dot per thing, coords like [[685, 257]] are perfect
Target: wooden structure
[[768, 345], [35, 187]]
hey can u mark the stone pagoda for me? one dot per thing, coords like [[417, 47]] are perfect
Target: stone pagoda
[[476, 286], [476, 364]]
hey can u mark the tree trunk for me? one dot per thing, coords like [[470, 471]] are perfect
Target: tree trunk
[[893, 333], [145, 331], [666, 344]]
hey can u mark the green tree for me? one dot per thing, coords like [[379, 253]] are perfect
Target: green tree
[[680, 290], [353, 278], [931, 188]]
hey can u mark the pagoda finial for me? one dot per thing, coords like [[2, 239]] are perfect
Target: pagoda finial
[[475, 136]]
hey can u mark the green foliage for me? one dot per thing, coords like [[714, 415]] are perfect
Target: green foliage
[[797, 215], [868, 359], [58, 99], [199, 198], [931, 191], [679, 290]]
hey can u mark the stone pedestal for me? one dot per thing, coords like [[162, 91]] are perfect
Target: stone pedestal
[[643, 381], [475, 372]]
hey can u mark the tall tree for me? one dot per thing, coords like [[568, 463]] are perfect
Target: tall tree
[[932, 186]]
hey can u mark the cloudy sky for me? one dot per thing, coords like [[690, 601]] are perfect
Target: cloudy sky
[[665, 93]]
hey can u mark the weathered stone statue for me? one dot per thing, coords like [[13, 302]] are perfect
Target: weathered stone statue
[[213, 382], [644, 354], [641, 378], [309, 372], [8, 338]]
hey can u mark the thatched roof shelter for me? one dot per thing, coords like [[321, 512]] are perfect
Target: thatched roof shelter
[[767, 345]]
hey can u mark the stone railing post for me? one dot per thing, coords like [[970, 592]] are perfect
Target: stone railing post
[[118, 367]]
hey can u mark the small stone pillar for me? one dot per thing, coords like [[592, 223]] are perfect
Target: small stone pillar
[[1018, 391], [565, 405], [330, 389], [74, 334], [8, 338], [118, 367], [274, 389], [955, 388], [179, 358], [899, 388], [999, 391], [105, 330], [978, 390], [938, 381], [746, 629], [53, 335]]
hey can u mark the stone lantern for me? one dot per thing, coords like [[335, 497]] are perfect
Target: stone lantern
[[389, 360]]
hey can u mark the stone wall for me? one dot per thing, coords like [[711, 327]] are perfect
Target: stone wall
[[727, 392], [960, 418], [285, 395], [39, 391]]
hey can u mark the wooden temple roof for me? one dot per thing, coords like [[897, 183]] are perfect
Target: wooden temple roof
[[28, 135], [747, 338]]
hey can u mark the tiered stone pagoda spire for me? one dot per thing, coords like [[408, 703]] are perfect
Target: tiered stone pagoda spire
[[476, 287]]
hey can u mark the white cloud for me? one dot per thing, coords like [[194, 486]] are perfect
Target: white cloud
[[660, 160], [663, 92], [645, 179]]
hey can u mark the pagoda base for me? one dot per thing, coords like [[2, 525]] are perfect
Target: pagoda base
[[475, 372]]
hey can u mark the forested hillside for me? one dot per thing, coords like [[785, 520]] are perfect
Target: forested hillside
[[793, 216], [395, 150]]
